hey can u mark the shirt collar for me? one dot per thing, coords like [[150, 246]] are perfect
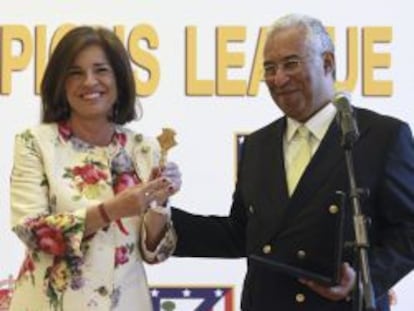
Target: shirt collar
[[66, 134], [318, 124]]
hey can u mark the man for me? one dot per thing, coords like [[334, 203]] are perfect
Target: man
[[277, 208]]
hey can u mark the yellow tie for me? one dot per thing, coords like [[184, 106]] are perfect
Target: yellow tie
[[300, 158]]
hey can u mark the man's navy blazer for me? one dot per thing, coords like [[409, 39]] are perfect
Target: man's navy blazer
[[263, 220]]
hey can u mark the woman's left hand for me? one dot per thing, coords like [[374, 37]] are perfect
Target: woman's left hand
[[173, 175], [159, 213]]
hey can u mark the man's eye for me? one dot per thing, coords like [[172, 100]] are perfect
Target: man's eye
[[291, 64]]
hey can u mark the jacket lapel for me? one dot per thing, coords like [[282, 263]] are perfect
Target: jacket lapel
[[273, 175], [280, 210], [328, 157], [320, 168]]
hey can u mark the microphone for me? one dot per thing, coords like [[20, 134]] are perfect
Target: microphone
[[345, 119]]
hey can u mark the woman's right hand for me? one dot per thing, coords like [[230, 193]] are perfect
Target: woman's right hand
[[135, 200]]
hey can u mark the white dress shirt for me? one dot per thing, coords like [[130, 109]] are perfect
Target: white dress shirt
[[318, 125]]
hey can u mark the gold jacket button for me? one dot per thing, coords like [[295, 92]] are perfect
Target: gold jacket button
[[145, 149], [300, 298], [333, 209], [267, 249], [251, 209], [103, 291], [138, 138], [301, 254]]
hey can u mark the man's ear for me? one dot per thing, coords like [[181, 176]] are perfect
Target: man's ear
[[329, 63]]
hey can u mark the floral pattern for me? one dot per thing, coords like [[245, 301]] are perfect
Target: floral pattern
[[58, 257], [122, 254], [27, 267], [57, 235], [89, 179]]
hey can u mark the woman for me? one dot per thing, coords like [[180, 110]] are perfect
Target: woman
[[81, 186]]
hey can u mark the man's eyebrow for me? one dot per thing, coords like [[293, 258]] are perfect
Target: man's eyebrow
[[288, 57]]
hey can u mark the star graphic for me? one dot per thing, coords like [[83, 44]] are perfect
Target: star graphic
[[155, 293], [218, 293], [186, 293]]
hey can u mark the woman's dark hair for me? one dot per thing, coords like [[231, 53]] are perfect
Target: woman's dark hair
[[54, 101]]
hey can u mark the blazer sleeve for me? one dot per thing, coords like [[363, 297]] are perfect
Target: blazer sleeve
[[393, 256], [166, 246], [32, 220], [213, 235]]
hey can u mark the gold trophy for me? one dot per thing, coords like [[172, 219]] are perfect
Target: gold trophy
[[166, 140]]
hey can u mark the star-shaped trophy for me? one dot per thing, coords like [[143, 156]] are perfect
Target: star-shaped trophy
[[166, 140]]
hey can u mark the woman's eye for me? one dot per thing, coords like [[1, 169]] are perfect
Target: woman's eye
[[74, 73], [102, 69]]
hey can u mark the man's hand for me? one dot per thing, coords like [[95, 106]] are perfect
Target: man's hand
[[392, 297], [338, 292]]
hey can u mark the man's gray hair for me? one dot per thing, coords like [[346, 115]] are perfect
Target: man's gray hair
[[316, 34]]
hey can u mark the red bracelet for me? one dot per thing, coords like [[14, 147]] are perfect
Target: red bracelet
[[103, 213]]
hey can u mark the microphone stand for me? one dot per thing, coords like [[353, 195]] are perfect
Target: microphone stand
[[361, 244]]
